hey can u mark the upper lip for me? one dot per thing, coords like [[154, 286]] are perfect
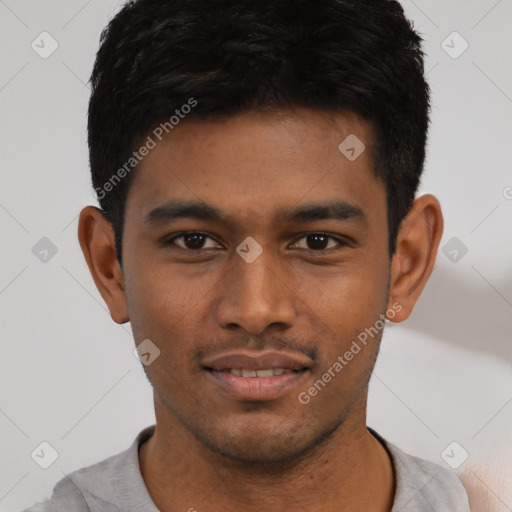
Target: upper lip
[[257, 361]]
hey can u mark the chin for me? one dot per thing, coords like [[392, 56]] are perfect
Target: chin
[[259, 450], [281, 444]]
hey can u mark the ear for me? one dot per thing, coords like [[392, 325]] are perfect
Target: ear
[[96, 237], [415, 255]]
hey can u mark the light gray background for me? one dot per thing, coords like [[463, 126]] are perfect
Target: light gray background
[[68, 374]]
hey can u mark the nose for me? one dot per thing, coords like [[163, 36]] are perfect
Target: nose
[[256, 295]]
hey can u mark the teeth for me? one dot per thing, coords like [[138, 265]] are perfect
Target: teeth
[[265, 373], [270, 372]]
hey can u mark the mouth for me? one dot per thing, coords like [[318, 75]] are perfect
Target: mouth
[[257, 377], [270, 384], [248, 373]]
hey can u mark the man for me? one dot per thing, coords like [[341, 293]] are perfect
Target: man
[[256, 164]]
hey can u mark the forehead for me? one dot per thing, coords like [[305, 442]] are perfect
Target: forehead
[[256, 168]]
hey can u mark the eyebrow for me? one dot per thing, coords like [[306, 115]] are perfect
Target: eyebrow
[[175, 209]]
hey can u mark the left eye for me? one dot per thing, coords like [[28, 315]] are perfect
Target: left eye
[[318, 241]]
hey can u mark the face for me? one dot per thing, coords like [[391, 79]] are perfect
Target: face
[[289, 255]]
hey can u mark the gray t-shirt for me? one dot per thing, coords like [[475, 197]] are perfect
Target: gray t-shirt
[[116, 485]]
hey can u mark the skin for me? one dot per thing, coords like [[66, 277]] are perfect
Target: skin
[[211, 451]]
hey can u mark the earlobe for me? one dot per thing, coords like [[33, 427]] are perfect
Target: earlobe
[[416, 248], [96, 237]]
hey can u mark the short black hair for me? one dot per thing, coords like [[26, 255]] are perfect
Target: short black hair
[[226, 57]]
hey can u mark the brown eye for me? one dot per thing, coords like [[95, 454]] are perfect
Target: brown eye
[[320, 241], [191, 240]]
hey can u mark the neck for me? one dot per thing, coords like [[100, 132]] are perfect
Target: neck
[[349, 469]]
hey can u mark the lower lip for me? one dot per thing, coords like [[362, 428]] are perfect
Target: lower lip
[[257, 389]]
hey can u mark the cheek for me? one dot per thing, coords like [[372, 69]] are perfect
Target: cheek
[[347, 298], [163, 292], [169, 307]]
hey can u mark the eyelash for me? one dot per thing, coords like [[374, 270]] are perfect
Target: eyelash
[[170, 241]]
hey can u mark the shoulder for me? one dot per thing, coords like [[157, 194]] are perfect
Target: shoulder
[[422, 485], [430, 484], [66, 496], [87, 489], [95, 488]]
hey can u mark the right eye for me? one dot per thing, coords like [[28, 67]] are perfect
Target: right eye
[[191, 241]]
